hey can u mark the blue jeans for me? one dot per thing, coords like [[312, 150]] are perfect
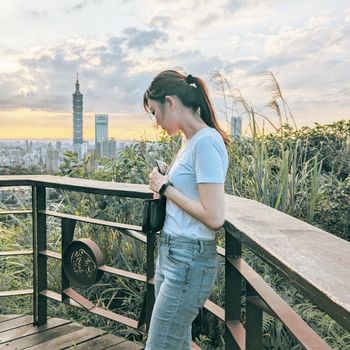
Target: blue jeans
[[186, 271]]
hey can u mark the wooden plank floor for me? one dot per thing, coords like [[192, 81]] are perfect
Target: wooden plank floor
[[17, 332]]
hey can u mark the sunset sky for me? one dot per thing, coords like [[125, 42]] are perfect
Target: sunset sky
[[118, 46]]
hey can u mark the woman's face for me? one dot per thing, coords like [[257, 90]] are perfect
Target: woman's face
[[162, 114]]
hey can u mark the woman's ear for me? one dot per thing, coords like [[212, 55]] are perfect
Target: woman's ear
[[170, 100]]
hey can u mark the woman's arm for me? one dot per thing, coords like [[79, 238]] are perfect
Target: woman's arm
[[210, 209]]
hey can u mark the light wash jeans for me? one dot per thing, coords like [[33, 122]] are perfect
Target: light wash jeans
[[186, 271]]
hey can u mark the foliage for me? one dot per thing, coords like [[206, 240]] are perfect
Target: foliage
[[20, 170], [132, 165], [333, 210], [292, 178]]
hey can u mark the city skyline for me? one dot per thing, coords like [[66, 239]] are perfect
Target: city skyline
[[118, 47]]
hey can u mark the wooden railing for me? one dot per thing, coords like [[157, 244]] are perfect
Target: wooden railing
[[313, 260]]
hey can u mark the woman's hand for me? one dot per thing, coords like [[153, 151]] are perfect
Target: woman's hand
[[156, 181]]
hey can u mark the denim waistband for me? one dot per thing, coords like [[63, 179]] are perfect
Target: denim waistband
[[166, 238]]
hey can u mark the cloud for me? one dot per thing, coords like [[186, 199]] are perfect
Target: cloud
[[36, 14], [318, 36], [112, 78], [196, 63], [312, 56], [232, 13], [208, 19], [46, 78], [347, 15], [234, 5], [139, 39], [160, 22], [81, 5]]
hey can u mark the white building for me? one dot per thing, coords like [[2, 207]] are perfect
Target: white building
[[101, 128], [236, 127]]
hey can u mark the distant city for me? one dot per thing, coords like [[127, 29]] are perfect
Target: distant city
[[48, 155]]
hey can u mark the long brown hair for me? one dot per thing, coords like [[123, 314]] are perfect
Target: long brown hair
[[192, 92]]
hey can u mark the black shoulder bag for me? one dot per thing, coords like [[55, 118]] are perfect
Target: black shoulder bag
[[153, 215]]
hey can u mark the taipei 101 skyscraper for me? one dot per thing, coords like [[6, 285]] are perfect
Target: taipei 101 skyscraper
[[77, 118]]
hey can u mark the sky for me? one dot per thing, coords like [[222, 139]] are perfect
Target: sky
[[118, 46]]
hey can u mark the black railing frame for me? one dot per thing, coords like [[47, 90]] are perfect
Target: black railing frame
[[236, 270]]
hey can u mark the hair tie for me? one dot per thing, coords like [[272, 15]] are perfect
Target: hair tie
[[190, 79]]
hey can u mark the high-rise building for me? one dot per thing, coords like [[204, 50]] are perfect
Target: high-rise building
[[77, 117], [52, 159], [101, 133], [83, 149], [59, 146], [112, 147], [104, 149], [101, 127], [236, 127]]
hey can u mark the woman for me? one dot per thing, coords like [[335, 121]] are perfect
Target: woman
[[187, 261]]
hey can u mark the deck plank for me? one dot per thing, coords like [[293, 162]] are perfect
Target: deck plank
[[4, 318], [126, 345], [15, 323], [70, 340], [41, 336], [18, 332], [29, 329], [57, 334], [100, 343]]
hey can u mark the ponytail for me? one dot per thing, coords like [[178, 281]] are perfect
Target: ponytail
[[207, 112]]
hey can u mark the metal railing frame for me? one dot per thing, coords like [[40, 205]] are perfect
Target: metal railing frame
[[260, 297]]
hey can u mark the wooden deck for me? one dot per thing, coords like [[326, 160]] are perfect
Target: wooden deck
[[17, 332]]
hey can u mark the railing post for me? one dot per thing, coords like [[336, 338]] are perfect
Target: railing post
[[150, 294], [39, 260], [35, 256], [254, 321], [67, 234], [233, 282]]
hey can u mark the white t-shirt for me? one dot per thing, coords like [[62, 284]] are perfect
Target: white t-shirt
[[203, 159]]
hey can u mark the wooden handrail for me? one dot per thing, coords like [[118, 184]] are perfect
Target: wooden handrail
[[314, 260], [78, 185]]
